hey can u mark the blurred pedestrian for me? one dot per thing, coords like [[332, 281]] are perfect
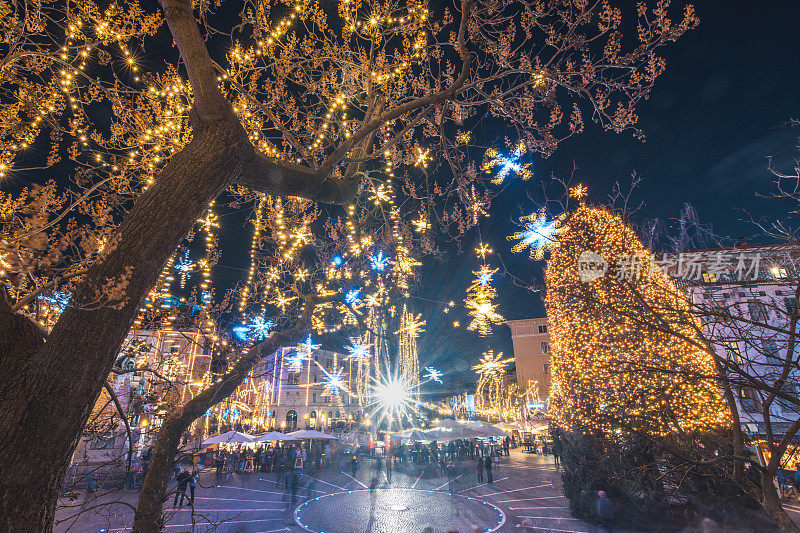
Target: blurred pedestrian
[[605, 511], [182, 479], [488, 463], [480, 469]]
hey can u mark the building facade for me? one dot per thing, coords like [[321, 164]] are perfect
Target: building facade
[[531, 341], [746, 298]]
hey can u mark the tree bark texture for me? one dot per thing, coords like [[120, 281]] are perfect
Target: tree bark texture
[[148, 518], [772, 504], [47, 391]]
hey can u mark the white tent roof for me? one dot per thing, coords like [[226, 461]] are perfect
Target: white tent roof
[[413, 434], [273, 436], [230, 437], [448, 424], [505, 426], [489, 430], [311, 434]]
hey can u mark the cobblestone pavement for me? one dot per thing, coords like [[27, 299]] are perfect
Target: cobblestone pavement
[[333, 501]]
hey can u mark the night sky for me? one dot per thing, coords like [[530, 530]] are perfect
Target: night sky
[[721, 108]]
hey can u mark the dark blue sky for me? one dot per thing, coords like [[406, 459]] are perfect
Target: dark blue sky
[[717, 113]]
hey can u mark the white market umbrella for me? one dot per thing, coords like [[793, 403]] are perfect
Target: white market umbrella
[[447, 424], [311, 434], [274, 436], [505, 426], [416, 435], [465, 433], [491, 431], [230, 437], [441, 435]]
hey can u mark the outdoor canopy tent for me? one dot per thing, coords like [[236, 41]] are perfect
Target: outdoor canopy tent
[[230, 437], [489, 430], [274, 436], [416, 435], [311, 434]]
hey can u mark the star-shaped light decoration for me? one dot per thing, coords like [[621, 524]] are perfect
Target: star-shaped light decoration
[[579, 192], [333, 382], [539, 234], [506, 165], [379, 261], [358, 352], [295, 361], [258, 328], [352, 296], [184, 266], [431, 374]]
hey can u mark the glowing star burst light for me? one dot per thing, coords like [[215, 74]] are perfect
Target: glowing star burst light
[[295, 361], [393, 397], [379, 262], [358, 352], [333, 382], [431, 374], [506, 165]]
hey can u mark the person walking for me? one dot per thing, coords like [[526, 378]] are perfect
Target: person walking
[[354, 465], [294, 484], [183, 481], [487, 461], [605, 511], [480, 469], [192, 485]]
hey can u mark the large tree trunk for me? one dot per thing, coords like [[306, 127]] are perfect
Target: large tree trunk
[[47, 394], [772, 503], [154, 488]]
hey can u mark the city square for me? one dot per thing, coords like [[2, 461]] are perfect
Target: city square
[[525, 488], [434, 266]]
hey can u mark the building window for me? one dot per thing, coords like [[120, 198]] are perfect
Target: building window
[[770, 350], [543, 328], [733, 353], [545, 346], [313, 400], [546, 367], [750, 401], [291, 420], [327, 399], [293, 378], [709, 277], [791, 306]]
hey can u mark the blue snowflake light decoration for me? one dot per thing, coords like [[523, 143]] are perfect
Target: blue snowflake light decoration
[[258, 328], [358, 352], [352, 296], [333, 382], [379, 262], [485, 277], [184, 266], [540, 233], [506, 165], [295, 361], [337, 260], [431, 374]]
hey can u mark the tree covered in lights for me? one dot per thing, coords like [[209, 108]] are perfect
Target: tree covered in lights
[[630, 399], [609, 373], [294, 105]]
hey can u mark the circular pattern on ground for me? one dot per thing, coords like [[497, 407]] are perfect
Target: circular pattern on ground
[[396, 510]]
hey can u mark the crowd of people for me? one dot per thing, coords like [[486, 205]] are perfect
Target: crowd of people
[[272, 458]]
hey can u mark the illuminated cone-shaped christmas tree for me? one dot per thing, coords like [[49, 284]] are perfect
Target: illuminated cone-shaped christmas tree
[[617, 323]]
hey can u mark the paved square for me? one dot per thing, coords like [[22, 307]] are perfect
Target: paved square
[[333, 501]]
